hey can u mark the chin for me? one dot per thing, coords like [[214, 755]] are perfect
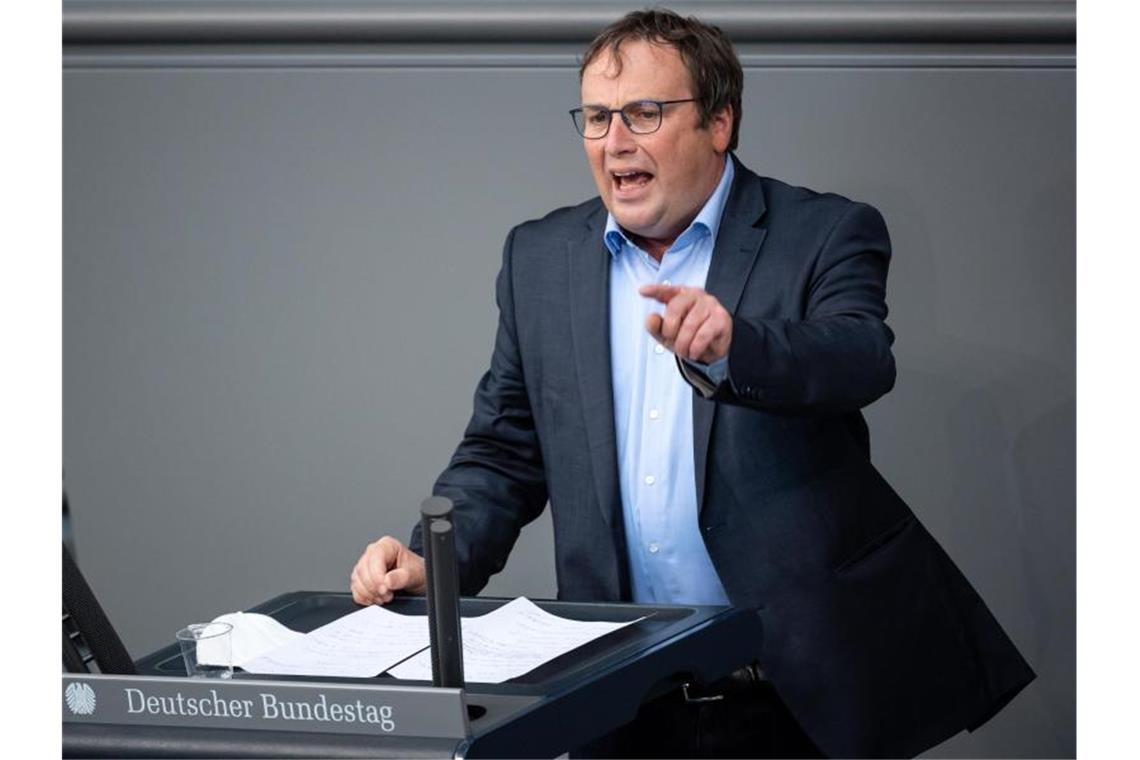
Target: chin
[[638, 224]]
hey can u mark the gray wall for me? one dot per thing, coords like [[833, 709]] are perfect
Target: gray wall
[[281, 234]]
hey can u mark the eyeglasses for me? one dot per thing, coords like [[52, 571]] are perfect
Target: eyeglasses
[[642, 117]]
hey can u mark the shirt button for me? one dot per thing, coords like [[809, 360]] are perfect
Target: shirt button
[[654, 414], [653, 548], [659, 349], [650, 480]]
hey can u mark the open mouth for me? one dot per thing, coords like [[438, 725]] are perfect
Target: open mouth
[[626, 181]]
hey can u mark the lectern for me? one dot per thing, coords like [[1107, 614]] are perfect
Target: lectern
[[563, 704]]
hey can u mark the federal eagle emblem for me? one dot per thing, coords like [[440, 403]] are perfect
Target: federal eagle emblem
[[80, 698]]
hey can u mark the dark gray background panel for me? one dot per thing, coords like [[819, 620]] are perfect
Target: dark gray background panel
[[278, 298], [549, 21]]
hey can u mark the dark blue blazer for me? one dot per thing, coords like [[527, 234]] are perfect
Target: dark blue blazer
[[872, 636]]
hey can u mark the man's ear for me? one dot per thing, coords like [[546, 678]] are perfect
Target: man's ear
[[720, 126]]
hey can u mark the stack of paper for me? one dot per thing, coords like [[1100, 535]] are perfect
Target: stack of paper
[[503, 644], [360, 645], [511, 640]]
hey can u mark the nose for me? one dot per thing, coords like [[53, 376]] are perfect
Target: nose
[[619, 140]]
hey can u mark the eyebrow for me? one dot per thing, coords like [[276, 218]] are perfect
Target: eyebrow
[[623, 105]]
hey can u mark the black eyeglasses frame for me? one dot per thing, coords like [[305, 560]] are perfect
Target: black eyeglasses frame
[[624, 117]]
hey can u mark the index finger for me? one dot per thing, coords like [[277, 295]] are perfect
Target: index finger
[[660, 292]]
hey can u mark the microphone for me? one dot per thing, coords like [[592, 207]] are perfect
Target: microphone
[[444, 629]]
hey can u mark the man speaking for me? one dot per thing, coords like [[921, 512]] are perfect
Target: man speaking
[[678, 369]]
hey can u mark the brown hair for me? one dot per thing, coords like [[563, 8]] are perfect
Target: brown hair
[[707, 53]]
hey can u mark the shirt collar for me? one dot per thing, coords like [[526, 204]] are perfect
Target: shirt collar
[[707, 221]]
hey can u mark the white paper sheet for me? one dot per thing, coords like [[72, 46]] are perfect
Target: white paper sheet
[[362, 644], [253, 635], [512, 640]]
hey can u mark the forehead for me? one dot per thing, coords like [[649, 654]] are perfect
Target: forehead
[[647, 70]]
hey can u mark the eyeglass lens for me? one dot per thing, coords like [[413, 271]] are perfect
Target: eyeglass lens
[[641, 117]]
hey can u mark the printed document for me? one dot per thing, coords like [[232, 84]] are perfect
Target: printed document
[[502, 644], [513, 639], [362, 644]]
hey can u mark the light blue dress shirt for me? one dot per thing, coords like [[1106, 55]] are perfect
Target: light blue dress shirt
[[653, 416]]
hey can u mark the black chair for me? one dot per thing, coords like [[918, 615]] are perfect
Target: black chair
[[88, 636], [68, 538]]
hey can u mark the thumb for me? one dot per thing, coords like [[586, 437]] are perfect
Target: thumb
[[397, 579], [406, 578], [653, 324]]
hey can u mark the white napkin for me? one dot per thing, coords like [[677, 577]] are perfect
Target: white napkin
[[253, 635]]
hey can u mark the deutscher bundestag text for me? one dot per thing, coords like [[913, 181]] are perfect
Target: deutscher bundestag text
[[270, 708]]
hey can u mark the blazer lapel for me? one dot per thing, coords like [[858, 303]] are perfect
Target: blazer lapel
[[734, 255], [589, 268]]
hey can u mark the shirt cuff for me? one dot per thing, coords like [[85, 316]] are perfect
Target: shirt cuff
[[706, 378]]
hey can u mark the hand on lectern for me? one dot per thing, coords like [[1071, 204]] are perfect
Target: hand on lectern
[[385, 567]]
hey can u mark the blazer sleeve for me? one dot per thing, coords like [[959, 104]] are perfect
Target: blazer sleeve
[[496, 477], [838, 357]]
